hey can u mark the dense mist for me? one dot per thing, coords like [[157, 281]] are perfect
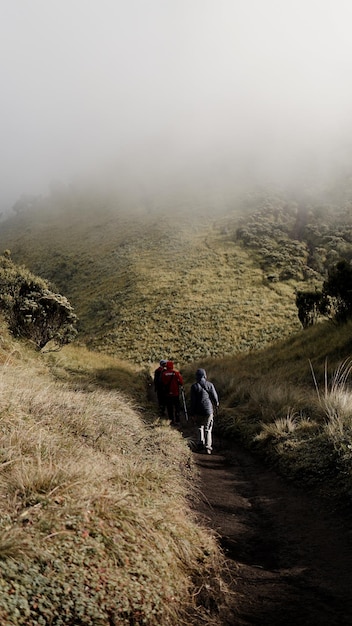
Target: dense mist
[[155, 92]]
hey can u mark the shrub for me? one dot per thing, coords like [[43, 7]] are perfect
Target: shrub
[[32, 309], [338, 287], [311, 305]]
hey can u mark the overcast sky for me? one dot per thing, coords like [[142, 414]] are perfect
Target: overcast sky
[[170, 86]]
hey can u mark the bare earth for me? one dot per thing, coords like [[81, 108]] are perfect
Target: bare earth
[[289, 558]]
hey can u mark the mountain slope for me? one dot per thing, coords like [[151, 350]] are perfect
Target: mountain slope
[[146, 284]]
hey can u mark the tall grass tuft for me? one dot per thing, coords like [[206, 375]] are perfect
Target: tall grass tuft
[[335, 402], [335, 399]]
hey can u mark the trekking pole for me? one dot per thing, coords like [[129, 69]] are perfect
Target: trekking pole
[[184, 403]]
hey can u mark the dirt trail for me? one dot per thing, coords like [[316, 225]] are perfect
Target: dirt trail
[[289, 559]]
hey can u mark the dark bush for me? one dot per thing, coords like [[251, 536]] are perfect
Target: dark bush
[[311, 305], [338, 287]]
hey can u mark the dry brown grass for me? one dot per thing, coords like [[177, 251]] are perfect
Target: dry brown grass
[[94, 512], [302, 423]]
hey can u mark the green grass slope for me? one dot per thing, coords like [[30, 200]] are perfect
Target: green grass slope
[[148, 284]]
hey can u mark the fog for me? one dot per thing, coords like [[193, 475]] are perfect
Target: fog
[[153, 91]]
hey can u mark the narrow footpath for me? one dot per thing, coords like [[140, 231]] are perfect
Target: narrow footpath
[[289, 558]]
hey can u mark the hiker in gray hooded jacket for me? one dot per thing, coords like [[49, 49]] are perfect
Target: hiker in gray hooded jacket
[[203, 400]]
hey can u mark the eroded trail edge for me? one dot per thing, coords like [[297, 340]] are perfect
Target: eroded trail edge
[[289, 559]]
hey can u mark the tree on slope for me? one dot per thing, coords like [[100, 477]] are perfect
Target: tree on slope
[[338, 288], [333, 301], [311, 305], [34, 311]]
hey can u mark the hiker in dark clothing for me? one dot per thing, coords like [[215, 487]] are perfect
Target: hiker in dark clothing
[[159, 387], [172, 381], [203, 400]]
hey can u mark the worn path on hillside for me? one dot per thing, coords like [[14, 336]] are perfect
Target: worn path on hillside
[[289, 559]]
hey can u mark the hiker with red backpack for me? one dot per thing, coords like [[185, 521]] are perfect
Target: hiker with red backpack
[[172, 381], [204, 398]]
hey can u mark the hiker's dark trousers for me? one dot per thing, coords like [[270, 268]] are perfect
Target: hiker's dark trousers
[[173, 408], [161, 400]]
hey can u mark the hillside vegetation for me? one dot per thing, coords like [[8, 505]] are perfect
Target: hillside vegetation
[[95, 517], [291, 403], [187, 277], [149, 282]]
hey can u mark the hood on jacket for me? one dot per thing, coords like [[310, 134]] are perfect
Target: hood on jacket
[[200, 373], [169, 365]]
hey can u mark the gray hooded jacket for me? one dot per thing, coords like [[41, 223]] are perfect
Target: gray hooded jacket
[[203, 395]]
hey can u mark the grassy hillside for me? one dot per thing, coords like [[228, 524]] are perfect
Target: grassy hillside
[[292, 404], [149, 281], [93, 510], [159, 279], [95, 519]]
